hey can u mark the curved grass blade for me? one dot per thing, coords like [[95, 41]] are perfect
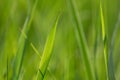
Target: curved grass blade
[[22, 39], [82, 43], [47, 52]]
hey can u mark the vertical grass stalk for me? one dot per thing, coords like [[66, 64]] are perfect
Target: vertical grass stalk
[[82, 43], [105, 40]]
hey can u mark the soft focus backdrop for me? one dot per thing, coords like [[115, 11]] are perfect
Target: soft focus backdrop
[[66, 62]]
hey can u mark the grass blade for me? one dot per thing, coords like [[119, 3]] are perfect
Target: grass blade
[[81, 38], [104, 37], [22, 39], [47, 52], [110, 57]]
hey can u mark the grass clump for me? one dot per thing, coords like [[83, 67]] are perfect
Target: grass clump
[[86, 46], [19, 54]]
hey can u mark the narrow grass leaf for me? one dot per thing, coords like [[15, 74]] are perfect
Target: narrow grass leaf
[[47, 52], [82, 43], [105, 40]]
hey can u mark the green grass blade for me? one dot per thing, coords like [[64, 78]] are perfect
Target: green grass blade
[[82, 43], [110, 57], [21, 44], [105, 41], [102, 22], [47, 52]]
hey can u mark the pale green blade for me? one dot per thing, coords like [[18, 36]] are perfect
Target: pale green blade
[[104, 37]]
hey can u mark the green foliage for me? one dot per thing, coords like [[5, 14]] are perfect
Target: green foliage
[[83, 46]]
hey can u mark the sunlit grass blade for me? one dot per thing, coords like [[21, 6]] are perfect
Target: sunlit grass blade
[[104, 37], [82, 43], [21, 44], [47, 52]]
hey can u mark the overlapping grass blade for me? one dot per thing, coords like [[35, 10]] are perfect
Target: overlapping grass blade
[[21, 44], [37, 52], [82, 43], [47, 52], [110, 57]]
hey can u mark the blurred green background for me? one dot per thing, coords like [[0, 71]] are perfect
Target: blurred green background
[[66, 62]]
